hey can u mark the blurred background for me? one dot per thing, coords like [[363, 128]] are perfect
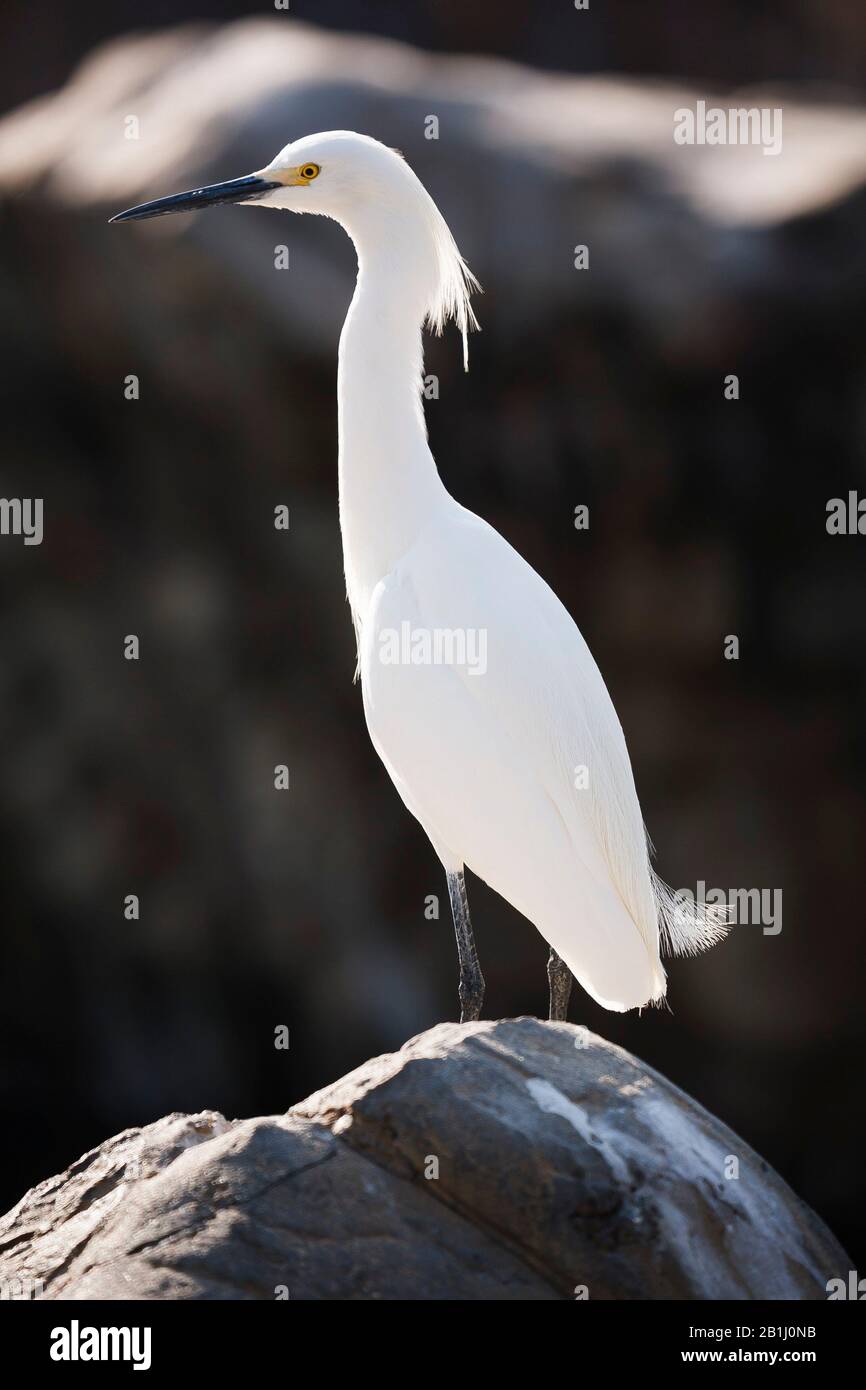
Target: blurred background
[[601, 387]]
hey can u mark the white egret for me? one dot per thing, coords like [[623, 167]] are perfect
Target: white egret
[[480, 694]]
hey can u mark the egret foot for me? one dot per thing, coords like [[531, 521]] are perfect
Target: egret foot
[[471, 988], [559, 978]]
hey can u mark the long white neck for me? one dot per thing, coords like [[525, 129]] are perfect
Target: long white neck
[[389, 486]]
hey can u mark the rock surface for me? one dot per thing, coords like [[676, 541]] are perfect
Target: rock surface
[[493, 1160]]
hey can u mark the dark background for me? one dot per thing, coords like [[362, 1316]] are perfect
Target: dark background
[[307, 908]]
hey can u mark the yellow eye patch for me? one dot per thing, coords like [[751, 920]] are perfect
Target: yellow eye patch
[[301, 175]]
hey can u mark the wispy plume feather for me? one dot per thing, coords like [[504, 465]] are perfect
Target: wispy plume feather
[[452, 298], [687, 927]]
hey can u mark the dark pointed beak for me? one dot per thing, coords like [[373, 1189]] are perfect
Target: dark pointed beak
[[245, 190]]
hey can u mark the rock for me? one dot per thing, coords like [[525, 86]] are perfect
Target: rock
[[492, 1160]]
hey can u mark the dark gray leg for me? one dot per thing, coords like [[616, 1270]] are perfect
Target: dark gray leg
[[559, 979], [471, 989]]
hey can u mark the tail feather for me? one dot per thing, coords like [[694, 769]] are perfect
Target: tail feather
[[687, 927]]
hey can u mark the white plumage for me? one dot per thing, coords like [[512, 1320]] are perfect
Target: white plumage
[[484, 755]]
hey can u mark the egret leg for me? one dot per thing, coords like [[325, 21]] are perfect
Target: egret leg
[[471, 988], [559, 978]]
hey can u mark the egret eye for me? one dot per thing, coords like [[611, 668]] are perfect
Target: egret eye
[[310, 171]]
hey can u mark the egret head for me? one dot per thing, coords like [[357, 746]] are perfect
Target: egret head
[[331, 174], [372, 192], [342, 175]]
